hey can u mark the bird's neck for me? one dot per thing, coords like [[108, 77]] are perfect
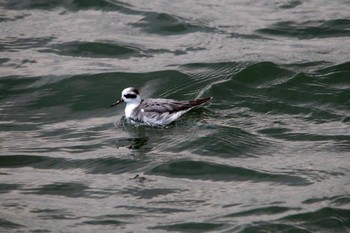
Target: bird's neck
[[130, 107]]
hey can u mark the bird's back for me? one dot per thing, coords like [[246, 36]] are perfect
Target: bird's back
[[165, 111]]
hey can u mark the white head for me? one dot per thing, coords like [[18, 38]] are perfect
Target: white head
[[130, 95]]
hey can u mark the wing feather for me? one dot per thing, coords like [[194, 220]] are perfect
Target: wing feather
[[164, 111], [169, 105]]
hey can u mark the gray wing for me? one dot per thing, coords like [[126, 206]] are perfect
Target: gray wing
[[164, 111], [165, 105]]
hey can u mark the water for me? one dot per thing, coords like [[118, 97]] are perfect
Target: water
[[269, 154]]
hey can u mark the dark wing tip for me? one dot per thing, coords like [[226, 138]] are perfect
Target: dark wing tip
[[200, 101]]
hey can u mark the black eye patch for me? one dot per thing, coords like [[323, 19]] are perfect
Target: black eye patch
[[130, 96]]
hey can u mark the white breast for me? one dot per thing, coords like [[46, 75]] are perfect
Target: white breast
[[129, 109]]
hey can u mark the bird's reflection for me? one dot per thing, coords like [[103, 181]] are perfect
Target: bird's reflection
[[138, 141]]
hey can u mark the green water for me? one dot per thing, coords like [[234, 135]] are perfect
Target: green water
[[270, 153]]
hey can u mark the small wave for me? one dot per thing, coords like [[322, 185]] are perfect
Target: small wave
[[309, 29], [165, 24], [323, 220], [191, 227], [210, 171], [7, 224], [59, 189], [70, 4], [269, 210], [93, 49]]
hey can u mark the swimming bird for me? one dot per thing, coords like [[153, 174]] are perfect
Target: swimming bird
[[154, 112]]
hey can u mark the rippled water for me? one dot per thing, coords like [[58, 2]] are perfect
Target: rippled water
[[269, 154]]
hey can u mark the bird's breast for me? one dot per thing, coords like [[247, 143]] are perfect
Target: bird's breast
[[130, 110]]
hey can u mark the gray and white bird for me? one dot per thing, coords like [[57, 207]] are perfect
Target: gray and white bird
[[154, 112]]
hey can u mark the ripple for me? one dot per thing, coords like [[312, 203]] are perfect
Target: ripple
[[73, 5], [291, 4], [151, 193], [19, 160], [12, 44], [273, 227], [336, 200], [95, 166], [218, 172], [262, 75], [6, 188], [53, 214], [60, 189], [325, 219], [220, 143], [270, 210], [257, 88], [6, 224], [103, 222], [192, 227], [309, 29], [163, 23], [93, 49]]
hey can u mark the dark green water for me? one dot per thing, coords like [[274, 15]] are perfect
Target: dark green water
[[271, 153]]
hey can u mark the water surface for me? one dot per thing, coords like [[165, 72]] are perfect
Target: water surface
[[269, 154]]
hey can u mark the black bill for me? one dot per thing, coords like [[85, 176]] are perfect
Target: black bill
[[118, 102]]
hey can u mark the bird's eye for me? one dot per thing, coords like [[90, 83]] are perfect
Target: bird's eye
[[130, 96]]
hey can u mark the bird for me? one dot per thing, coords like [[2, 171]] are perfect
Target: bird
[[155, 112]]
